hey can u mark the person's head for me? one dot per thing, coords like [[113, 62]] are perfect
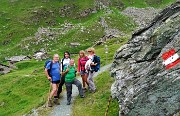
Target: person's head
[[91, 51], [66, 54], [72, 62], [82, 54], [56, 58]]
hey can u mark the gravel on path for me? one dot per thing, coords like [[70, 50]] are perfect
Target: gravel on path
[[65, 110]]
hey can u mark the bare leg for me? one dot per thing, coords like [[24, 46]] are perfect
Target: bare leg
[[57, 85], [83, 81], [54, 91]]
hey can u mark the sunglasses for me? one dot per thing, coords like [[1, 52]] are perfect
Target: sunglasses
[[89, 51]]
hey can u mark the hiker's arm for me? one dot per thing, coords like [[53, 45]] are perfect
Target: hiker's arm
[[46, 73], [66, 70], [92, 64], [79, 65]]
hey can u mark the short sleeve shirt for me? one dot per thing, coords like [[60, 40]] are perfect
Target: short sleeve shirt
[[66, 62], [70, 76], [55, 71]]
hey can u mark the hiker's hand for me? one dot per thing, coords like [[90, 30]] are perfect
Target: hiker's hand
[[78, 73], [92, 64], [49, 78], [67, 70]]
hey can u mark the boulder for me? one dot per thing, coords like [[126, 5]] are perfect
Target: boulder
[[15, 59], [4, 69], [40, 55], [143, 84], [75, 44]]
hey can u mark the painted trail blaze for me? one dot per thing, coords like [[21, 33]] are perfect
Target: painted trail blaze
[[171, 59]]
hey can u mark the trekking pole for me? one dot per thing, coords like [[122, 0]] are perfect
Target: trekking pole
[[48, 94], [109, 101]]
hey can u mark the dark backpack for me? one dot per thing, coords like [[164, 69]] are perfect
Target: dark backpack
[[97, 60], [49, 70]]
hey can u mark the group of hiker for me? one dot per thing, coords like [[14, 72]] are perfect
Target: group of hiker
[[65, 71]]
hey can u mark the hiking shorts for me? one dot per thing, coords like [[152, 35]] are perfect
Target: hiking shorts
[[56, 82], [83, 72]]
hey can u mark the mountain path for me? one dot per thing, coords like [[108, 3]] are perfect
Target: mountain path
[[66, 110]]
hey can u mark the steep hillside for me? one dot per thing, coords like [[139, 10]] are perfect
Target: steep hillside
[[21, 19], [29, 25]]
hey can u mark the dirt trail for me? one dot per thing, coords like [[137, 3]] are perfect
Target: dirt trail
[[65, 110]]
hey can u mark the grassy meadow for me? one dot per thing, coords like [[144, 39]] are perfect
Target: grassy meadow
[[26, 87]]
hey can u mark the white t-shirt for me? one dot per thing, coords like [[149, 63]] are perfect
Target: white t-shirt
[[66, 62]]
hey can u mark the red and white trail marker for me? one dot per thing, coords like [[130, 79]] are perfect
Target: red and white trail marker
[[171, 59]]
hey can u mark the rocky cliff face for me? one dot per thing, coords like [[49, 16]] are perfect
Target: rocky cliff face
[[143, 86]]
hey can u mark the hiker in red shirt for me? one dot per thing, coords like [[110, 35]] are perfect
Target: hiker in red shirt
[[81, 68]]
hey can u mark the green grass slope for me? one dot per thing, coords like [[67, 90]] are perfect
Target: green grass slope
[[20, 19], [27, 87], [22, 90], [95, 104]]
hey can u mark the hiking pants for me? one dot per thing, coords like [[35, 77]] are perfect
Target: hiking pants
[[91, 81], [61, 85], [69, 88]]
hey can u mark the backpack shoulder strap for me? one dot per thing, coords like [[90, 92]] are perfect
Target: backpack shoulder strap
[[94, 58], [62, 60], [51, 63]]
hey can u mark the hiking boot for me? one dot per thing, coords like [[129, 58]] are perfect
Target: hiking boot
[[68, 103], [50, 103], [84, 89], [92, 91], [82, 96], [56, 101]]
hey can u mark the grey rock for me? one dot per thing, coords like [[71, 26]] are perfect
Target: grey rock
[[18, 58], [143, 86], [40, 55], [4, 69], [75, 44], [87, 12], [142, 16]]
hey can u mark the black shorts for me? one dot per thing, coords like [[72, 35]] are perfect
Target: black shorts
[[55, 82], [83, 73]]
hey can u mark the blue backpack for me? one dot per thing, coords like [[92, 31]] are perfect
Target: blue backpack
[[97, 60]]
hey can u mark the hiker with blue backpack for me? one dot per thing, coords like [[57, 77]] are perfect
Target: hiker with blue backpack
[[92, 66], [64, 62], [52, 71], [69, 73]]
